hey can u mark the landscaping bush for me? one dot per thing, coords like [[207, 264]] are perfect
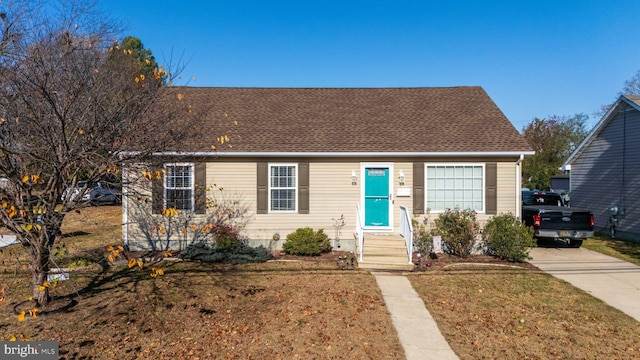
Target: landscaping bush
[[422, 237], [458, 229], [239, 254], [227, 237], [307, 242], [508, 238]]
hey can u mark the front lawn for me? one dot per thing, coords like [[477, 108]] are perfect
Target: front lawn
[[510, 313], [624, 250], [304, 309], [275, 310]]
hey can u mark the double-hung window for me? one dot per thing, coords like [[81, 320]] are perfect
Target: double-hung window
[[450, 186], [283, 187], [179, 187]]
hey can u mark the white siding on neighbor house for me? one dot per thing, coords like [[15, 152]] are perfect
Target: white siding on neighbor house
[[608, 172]]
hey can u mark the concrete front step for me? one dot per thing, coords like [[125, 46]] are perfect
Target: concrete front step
[[393, 260], [385, 252], [384, 266], [384, 245]]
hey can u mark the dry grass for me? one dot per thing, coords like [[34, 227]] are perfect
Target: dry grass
[[276, 310], [523, 314], [624, 250], [265, 311], [305, 309]]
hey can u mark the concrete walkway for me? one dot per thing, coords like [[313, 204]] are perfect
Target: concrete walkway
[[614, 281], [417, 331]]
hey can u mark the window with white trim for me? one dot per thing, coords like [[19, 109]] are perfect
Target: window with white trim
[[179, 187], [283, 187], [450, 186]]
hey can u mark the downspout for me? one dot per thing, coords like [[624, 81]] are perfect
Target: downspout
[[519, 186]]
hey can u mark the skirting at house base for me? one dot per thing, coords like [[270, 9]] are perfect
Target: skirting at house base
[[159, 245]]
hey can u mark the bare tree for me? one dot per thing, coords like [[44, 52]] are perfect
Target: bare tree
[[632, 85], [68, 110]]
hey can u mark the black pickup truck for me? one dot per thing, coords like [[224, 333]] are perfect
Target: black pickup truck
[[552, 220]]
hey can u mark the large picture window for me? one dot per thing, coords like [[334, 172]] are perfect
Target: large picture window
[[179, 187], [283, 187], [450, 186]]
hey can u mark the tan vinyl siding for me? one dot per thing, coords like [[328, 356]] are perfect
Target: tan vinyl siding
[[506, 192], [407, 169], [331, 194], [137, 204], [507, 188]]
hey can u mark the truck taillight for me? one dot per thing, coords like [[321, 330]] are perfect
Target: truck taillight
[[592, 221], [536, 220]]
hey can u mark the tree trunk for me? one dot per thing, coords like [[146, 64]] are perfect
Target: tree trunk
[[40, 269], [41, 297]]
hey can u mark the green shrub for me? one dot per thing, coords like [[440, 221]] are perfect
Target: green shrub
[[508, 238], [79, 261], [458, 229], [239, 254], [422, 238], [227, 237], [306, 241]]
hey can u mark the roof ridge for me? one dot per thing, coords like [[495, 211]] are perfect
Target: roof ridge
[[329, 88]]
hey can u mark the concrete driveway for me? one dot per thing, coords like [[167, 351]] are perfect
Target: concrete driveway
[[614, 281]]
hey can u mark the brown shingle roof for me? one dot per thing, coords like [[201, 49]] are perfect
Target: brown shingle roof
[[335, 120], [634, 98]]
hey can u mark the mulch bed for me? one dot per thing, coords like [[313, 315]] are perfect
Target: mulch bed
[[446, 262], [435, 262]]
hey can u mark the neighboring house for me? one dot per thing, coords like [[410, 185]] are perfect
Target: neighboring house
[[304, 157], [605, 169], [560, 183]]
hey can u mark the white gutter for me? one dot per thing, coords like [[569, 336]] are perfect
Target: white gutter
[[519, 186], [335, 154]]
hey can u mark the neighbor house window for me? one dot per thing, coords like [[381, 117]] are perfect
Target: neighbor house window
[[283, 187], [454, 186], [178, 187]]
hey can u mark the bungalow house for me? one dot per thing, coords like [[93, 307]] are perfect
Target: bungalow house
[[378, 157], [605, 170]]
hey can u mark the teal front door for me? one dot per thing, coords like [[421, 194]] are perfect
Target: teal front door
[[377, 197]]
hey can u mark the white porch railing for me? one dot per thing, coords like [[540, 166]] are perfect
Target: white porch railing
[[359, 231], [406, 230]]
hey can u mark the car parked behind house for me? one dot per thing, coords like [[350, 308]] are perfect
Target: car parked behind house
[[97, 193]]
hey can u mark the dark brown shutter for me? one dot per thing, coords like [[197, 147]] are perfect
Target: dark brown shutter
[[418, 188], [200, 186], [157, 189], [303, 188], [491, 188], [263, 188]]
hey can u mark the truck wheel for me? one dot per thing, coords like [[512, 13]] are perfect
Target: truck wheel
[[575, 243]]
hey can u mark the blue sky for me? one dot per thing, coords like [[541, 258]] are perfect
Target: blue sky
[[534, 58]]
